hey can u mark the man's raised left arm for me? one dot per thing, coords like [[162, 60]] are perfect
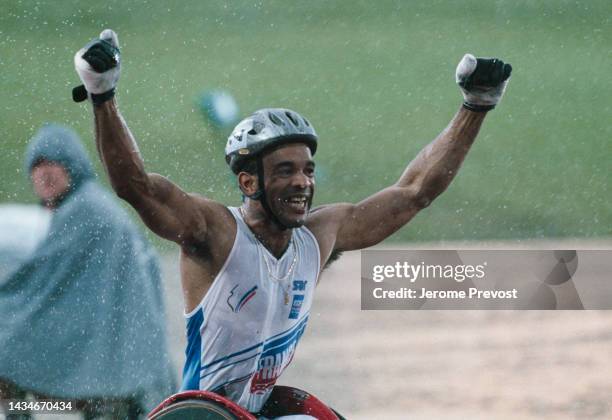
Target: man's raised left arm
[[357, 226]]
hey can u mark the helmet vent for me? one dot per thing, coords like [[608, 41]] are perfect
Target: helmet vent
[[264, 130], [292, 118], [275, 119]]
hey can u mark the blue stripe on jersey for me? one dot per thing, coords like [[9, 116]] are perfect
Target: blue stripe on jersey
[[268, 349], [294, 335], [229, 364], [300, 323], [267, 343], [193, 352]]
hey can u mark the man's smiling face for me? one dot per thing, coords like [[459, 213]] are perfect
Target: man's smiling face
[[289, 183]]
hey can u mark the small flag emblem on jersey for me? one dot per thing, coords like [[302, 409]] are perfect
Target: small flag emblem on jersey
[[237, 304]]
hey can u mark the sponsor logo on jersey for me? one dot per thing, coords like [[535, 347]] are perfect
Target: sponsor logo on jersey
[[237, 300], [299, 285], [296, 306]]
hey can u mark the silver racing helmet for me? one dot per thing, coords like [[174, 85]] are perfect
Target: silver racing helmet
[[265, 129]]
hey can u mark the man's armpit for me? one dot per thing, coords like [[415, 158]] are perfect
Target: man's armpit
[[335, 255]]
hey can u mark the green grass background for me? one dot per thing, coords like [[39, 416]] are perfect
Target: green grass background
[[375, 78]]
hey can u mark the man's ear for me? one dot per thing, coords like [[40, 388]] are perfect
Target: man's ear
[[248, 183]]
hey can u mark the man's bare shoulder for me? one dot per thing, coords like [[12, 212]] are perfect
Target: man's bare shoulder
[[209, 206], [220, 224], [325, 215], [323, 221]]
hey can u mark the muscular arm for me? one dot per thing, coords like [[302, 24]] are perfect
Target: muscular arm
[[165, 208], [347, 226]]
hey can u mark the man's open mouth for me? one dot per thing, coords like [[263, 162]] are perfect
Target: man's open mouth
[[297, 202]]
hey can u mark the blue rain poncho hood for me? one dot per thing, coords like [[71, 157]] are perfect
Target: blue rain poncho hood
[[61, 145], [83, 317]]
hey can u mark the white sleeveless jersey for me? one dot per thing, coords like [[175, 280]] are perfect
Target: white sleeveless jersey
[[244, 333]]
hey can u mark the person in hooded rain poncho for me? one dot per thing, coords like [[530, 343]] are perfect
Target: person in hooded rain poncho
[[83, 318]]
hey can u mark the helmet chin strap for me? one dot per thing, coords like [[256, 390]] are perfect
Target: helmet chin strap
[[260, 195]]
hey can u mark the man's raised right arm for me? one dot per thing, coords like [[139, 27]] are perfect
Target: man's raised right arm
[[164, 207]]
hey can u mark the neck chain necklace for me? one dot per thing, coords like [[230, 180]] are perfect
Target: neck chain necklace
[[279, 280]]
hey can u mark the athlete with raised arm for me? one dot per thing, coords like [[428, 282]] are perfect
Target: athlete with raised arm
[[248, 273]]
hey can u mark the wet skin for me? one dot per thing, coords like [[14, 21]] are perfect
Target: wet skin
[[289, 183], [205, 229]]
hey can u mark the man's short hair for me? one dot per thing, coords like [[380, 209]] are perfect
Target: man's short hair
[[249, 166]]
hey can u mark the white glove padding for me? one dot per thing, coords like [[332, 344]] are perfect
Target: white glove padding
[[98, 65], [482, 81]]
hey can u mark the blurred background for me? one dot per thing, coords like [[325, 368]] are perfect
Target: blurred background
[[376, 79]]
